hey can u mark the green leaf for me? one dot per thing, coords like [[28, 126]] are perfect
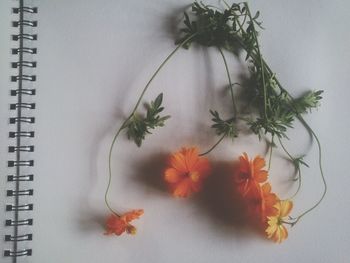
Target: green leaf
[[308, 101], [187, 20], [223, 127], [256, 15], [158, 101], [299, 161], [138, 127]]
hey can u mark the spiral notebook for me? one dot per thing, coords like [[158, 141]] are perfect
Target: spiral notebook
[[70, 72]]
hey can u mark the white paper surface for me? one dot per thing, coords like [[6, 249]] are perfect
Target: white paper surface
[[95, 58]]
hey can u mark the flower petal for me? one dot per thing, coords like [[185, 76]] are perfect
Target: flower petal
[[285, 208], [191, 157], [183, 189], [178, 161], [272, 226], [202, 166], [280, 234], [115, 225], [172, 175], [134, 214], [260, 176], [258, 163], [244, 164], [250, 189], [266, 188], [269, 201]]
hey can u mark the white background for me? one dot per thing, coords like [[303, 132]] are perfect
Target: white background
[[94, 59]]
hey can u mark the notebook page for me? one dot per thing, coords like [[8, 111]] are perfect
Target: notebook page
[[95, 57]]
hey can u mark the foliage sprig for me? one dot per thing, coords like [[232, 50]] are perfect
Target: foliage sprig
[[273, 109], [138, 127], [235, 30], [223, 127]]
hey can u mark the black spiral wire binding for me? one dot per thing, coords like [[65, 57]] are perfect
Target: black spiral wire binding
[[16, 207]]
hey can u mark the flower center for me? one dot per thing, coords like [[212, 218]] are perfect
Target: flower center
[[194, 176], [279, 221], [243, 176]]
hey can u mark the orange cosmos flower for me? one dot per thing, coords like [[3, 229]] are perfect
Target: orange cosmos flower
[[260, 202], [250, 173], [119, 224], [187, 172], [276, 230], [269, 200]]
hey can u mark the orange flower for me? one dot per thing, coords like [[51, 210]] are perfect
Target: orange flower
[[250, 173], [269, 200], [260, 202], [276, 230], [187, 172], [119, 224]]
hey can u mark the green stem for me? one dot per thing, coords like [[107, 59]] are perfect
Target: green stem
[[238, 20], [311, 131], [159, 68], [213, 147], [110, 168], [262, 70], [230, 83], [227, 5], [320, 168], [131, 115], [271, 149], [295, 165]]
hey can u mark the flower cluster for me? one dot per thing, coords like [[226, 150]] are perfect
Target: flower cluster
[[187, 170], [261, 204], [185, 175]]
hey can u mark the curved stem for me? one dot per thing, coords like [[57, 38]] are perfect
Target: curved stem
[[130, 116], [159, 68], [320, 168], [311, 131], [110, 168], [230, 83], [262, 71], [271, 149], [227, 5], [213, 147], [296, 166]]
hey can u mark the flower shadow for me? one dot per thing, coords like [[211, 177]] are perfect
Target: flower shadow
[[149, 171], [92, 222], [223, 204], [218, 200]]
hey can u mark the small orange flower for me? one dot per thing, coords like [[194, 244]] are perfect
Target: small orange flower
[[269, 200], [187, 172], [119, 224], [276, 230], [260, 202], [250, 173]]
